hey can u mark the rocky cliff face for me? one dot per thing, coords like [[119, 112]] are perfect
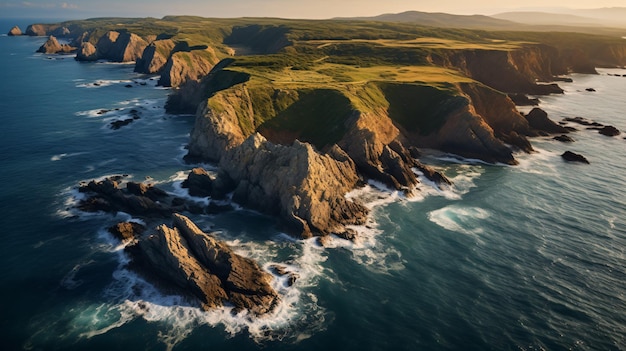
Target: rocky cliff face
[[186, 258], [155, 56], [113, 46], [187, 66], [304, 187], [40, 30], [513, 71]]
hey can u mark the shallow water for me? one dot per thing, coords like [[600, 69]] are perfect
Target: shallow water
[[509, 258]]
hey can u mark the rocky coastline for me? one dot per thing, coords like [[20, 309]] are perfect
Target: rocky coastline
[[271, 159]]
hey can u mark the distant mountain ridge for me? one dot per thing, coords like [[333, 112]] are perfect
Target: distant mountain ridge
[[601, 17], [439, 19]]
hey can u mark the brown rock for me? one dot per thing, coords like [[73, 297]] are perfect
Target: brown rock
[[15, 31], [303, 187], [127, 231], [184, 66], [154, 56], [198, 264], [52, 46], [37, 30], [87, 52]]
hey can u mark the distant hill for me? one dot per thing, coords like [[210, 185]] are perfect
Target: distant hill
[[545, 18], [437, 19], [602, 17]]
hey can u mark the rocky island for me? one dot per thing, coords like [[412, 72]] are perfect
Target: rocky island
[[298, 113]]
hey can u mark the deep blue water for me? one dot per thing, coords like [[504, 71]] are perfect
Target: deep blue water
[[528, 257]]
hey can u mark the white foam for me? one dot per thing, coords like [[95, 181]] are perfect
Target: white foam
[[298, 308], [460, 219], [539, 162], [59, 157], [101, 83]]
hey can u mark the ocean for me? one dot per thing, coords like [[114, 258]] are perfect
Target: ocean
[[526, 257]]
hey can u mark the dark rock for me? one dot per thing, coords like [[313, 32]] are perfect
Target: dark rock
[[128, 85], [115, 125], [590, 89], [574, 157], [199, 183], [433, 175], [538, 120], [283, 271], [583, 121], [564, 139], [106, 195], [142, 189], [609, 131], [563, 79], [523, 100]]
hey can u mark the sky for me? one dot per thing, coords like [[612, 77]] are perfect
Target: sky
[[316, 9]]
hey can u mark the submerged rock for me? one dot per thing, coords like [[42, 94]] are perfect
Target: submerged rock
[[609, 131], [564, 139], [574, 157]]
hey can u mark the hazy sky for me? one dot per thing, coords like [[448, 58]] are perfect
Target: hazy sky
[[276, 8]]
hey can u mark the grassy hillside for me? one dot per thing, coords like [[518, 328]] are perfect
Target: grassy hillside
[[306, 77]]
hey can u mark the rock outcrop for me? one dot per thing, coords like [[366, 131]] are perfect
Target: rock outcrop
[[38, 30], [514, 71], [15, 31], [113, 46], [52, 46], [155, 56], [574, 157], [186, 66], [539, 121], [184, 259], [304, 188], [87, 52], [609, 131]]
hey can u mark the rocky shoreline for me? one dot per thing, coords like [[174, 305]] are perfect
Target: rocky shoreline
[[300, 178]]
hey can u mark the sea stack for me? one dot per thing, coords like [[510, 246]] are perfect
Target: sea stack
[[15, 31]]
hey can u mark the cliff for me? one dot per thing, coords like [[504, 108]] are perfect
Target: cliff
[[113, 46], [187, 66], [155, 56]]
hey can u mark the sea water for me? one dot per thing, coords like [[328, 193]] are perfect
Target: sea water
[[525, 257]]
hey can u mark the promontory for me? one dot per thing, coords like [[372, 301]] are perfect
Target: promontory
[[297, 113]]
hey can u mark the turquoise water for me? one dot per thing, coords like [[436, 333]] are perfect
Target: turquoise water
[[528, 257]]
